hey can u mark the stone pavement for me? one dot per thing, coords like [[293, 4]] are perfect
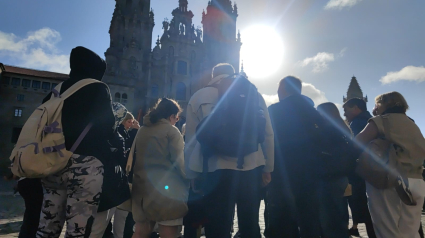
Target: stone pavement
[[12, 209]]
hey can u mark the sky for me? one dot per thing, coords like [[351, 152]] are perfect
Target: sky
[[325, 42]]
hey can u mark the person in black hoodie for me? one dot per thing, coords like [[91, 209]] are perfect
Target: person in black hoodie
[[357, 115], [73, 193], [292, 198]]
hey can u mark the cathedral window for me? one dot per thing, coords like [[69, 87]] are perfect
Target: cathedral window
[[16, 81], [117, 97], [181, 91], [5, 80], [20, 97], [36, 84], [26, 83], [154, 91], [18, 112], [124, 98], [182, 67], [45, 85]]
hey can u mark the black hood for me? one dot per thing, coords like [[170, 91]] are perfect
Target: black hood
[[85, 63]]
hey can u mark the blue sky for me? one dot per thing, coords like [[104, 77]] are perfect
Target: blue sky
[[326, 42]]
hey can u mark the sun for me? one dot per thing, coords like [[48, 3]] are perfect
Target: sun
[[262, 51]]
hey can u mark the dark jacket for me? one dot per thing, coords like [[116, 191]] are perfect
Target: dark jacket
[[126, 135], [360, 122], [357, 125], [129, 137], [293, 121], [91, 103], [115, 182]]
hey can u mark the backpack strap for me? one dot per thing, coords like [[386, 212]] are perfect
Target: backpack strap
[[74, 88]]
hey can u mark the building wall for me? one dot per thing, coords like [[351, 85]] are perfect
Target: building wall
[[28, 100]]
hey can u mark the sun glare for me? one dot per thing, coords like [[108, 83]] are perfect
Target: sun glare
[[262, 51]]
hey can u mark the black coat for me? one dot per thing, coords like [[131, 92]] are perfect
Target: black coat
[[115, 182], [129, 137], [358, 200], [360, 122], [292, 120]]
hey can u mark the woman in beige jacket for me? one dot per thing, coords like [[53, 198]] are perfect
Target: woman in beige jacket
[[160, 189], [391, 217]]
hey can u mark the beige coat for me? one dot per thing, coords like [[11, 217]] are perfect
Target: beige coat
[[200, 106], [159, 167], [403, 132]]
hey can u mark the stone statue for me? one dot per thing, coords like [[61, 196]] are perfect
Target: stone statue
[[181, 29]]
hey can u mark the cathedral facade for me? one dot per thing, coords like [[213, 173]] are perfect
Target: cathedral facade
[[181, 61]]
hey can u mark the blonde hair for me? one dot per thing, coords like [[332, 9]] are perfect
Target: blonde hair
[[392, 99], [128, 116]]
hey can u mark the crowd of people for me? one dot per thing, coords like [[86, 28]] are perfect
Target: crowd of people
[[234, 152]]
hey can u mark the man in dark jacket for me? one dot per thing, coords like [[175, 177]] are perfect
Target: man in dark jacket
[[355, 111], [73, 193], [292, 195]]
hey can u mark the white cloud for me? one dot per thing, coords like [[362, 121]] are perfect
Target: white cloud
[[308, 89], [320, 61], [315, 94], [342, 52], [340, 4], [38, 50], [408, 73], [270, 99]]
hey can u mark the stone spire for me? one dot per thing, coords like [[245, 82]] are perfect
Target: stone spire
[[354, 90], [225, 5], [243, 71], [183, 5], [181, 23], [221, 39]]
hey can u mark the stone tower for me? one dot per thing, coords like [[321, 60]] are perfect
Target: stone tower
[[222, 42], [128, 56], [176, 58], [354, 91]]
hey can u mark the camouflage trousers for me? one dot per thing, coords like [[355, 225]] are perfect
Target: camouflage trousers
[[71, 195]]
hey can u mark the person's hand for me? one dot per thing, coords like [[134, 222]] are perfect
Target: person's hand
[[267, 178], [135, 125]]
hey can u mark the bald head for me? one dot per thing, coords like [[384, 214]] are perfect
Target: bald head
[[290, 85]]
